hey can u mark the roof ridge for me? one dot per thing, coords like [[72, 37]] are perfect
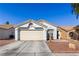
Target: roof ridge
[[42, 20]]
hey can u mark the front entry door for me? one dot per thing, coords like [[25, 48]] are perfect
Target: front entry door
[[50, 34]]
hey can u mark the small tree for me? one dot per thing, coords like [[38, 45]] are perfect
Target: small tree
[[7, 22]]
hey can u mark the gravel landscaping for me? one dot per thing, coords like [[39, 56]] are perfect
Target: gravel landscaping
[[62, 46], [5, 42]]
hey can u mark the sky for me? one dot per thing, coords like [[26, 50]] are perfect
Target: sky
[[55, 13]]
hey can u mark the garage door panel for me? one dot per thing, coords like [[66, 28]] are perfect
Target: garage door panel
[[31, 35]]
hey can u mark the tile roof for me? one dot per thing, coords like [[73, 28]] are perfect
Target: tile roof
[[4, 26], [67, 28]]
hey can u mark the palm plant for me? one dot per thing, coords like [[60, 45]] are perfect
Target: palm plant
[[75, 9]]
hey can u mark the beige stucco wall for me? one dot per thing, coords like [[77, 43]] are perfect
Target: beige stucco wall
[[5, 33], [63, 34]]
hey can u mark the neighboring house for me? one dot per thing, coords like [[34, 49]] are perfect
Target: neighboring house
[[6, 31], [65, 31], [36, 30]]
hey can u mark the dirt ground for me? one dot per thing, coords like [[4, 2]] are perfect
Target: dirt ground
[[62, 47], [4, 42]]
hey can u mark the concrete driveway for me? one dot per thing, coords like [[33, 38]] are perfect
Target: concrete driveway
[[26, 48]]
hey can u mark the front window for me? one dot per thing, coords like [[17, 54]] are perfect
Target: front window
[[38, 28]]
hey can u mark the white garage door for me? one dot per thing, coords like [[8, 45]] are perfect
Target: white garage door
[[31, 35]]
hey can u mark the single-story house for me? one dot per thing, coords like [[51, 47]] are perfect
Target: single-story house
[[7, 31], [36, 30], [42, 30]]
